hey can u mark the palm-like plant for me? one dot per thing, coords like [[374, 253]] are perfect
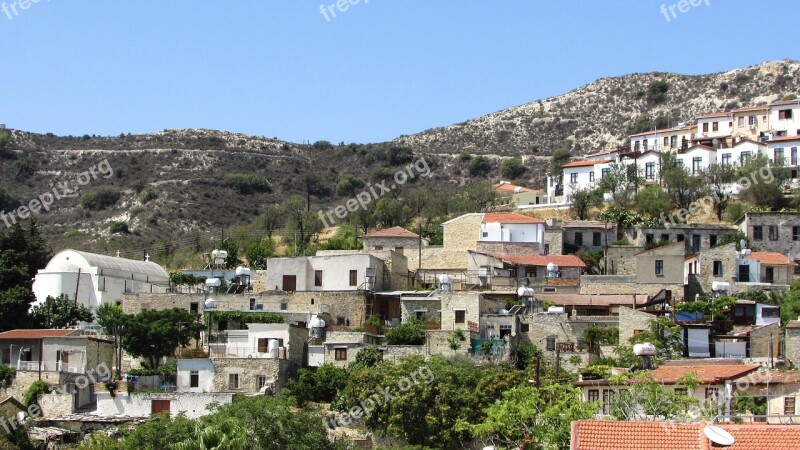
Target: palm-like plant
[[226, 435]]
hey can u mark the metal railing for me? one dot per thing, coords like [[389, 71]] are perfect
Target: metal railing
[[45, 366]]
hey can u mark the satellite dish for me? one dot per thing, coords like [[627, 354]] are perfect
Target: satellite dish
[[718, 436]]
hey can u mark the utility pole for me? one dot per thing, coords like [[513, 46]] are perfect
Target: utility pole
[[419, 251]]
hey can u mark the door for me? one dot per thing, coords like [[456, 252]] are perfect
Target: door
[[770, 272], [289, 283], [159, 407], [744, 273]]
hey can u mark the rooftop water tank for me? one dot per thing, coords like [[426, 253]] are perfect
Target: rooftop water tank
[[646, 349], [210, 303], [525, 292], [720, 286], [555, 310], [213, 282], [242, 271], [272, 348]]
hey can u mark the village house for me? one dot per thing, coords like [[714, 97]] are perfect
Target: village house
[[397, 239], [519, 196], [714, 130], [750, 122], [662, 140], [784, 118], [777, 232]]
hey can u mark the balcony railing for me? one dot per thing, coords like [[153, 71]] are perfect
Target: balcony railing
[[237, 351], [45, 366]]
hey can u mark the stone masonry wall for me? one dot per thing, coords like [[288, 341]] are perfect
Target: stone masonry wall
[[631, 320], [793, 345], [249, 369], [509, 248], [462, 232], [727, 255], [622, 260]]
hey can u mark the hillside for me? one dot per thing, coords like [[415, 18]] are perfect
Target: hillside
[[177, 187]]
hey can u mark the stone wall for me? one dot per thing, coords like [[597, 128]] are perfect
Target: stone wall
[[394, 352], [622, 260], [56, 405], [727, 255], [575, 361], [542, 325], [784, 245], [760, 339], [793, 343], [554, 240], [248, 370], [193, 405], [389, 242], [630, 321], [439, 258], [462, 232], [408, 309], [597, 286], [509, 248], [437, 343]]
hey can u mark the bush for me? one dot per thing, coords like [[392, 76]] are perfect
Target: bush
[[7, 374], [36, 389], [118, 227], [657, 92], [247, 184], [408, 333], [320, 385], [369, 356], [348, 185], [99, 199], [464, 156], [479, 166], [512, 168], [148, 195]]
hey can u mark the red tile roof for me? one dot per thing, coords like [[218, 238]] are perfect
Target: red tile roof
[[716, 114], [505, 186], [771, 258], [707, 374], [793, 324], [593, 300], [786, 102], [542, 261], [502, 217], [785, 138], [663, 130], [751, 108], [607, 151], [37, 334], [613, 435], [393, 232], [586, 163]]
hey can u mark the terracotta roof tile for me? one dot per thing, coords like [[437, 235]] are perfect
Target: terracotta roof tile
[[716, 114], [586, 163], [785, 138], [507, 217], [593, 300], [505, 186], [706, 374], [393, 232], [771, 258], [613, 435], [37, 334]]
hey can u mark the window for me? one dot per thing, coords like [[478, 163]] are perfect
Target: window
[[378, 247], [290, 283], [573, 178], [778, 156], [650, 171], [551, 344], [194, 379], [261, 381], [399, 250], [593, 395], [597, 239], [726, 159], [784, 114], [715, 126], [740, 121], [793, 157], [666, 141], [769, 274], [524, 327], [752, 120], [773, 232], [796, 233], [222, 325], [758, 233], [607, 394], [649, 238], [604, 172], [284, 306], [644, 145], [696, 243], [353, 278], [485, 234], [636, 146], [679, 238], [673, 141], [712, 393], [461, 315], [505, 330], [263, 345], [6, 358], [233, 381], [546, 249], [635, 332], [194, 307], [744, 157], [664, 237], [591, 177], [340, 354], [660, 267], [705, 127], [681, 391], [788, 406], [578, 238], [697, 165], [317, 278], [717, 268]]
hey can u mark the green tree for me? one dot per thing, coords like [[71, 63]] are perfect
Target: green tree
[[683, 189], [224, 435], [258, 253], [477, 197], [407, 333], [23, 252], [764, 188], [60, 312], [717, 179], [301, 225], [390, 212], [531, 418], [316, 186], [479, 166], [582, 200], [99, 199], [657, 92], [345, 238], [652, 201], [247, 183], [112, 319], [558, 159], [646, 400], [155, 334], [7, 375], [512, 168], [369, 356], [348, 185]]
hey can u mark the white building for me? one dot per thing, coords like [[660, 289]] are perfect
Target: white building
[[579, 175], [784, 149], [512, 227], [665, 139], [698, 158], [97, 279], [783, 118], [714, 126], [740, 152], [345, 272]]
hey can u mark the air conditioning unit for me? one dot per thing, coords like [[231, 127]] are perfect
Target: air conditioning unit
[[752, 127], [73, 370]]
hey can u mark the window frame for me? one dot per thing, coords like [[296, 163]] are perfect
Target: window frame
[[717, 268], [758, 232], [463, 316], [194, 379], [659, 267], [233, 381], [340, 353], [317, 278], [353, 274]]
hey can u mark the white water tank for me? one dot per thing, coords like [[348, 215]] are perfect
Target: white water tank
[[210, 303], [272, 348], [720, 286], [555, 310], [219, 256], [213, 282], [646, 349], [525, 292], [445, 282], [241, 270]]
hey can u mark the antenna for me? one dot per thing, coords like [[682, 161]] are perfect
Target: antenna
[[718, 436]]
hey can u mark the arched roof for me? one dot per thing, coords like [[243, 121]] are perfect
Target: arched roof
[[72, 260]]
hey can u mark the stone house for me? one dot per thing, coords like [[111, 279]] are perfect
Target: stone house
[[588, 235], [792, 339], [347, 272], [781, 389], [63, 358], [397, 239], [502, 271], [696, 237], [773, 232]]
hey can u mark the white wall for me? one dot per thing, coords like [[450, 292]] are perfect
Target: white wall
[[335, 272], [193, 405], [725, 127], [738, 149], [790, 126], [582, 182], [205, 369], [707, 156], [789, 147]]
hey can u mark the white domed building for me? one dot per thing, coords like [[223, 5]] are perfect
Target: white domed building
[[97, 279]]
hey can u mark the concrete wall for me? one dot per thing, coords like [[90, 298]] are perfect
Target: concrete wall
[[622, 260], [205, 372], [390, 243], [193, 405], [671, 255]]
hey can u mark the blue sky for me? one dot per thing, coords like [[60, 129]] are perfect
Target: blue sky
[[376, 71]]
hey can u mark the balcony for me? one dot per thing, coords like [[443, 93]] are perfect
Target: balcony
[[45, 366]]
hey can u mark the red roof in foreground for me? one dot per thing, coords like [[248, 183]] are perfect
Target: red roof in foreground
[[393, 232], [509, 217], [615, 435], [36, 334], [586, 163], [785, 138], [771, 258], [505, 186], [542, 261], [706, 374]]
